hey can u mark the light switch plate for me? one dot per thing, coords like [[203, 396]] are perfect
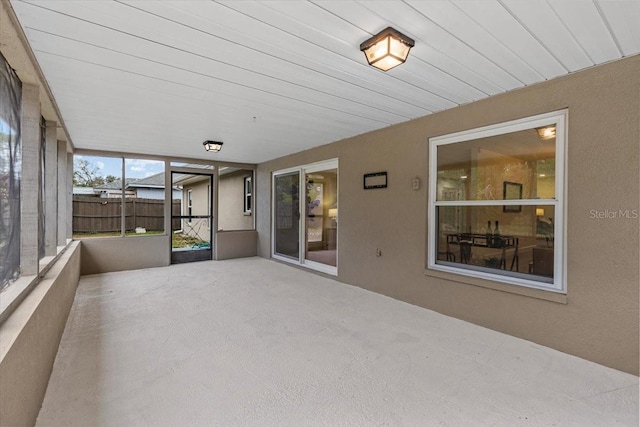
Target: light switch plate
[[415, 183]]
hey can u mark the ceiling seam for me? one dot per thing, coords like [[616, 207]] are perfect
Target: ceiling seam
[[575, 39], [334, 53], [461, 66], [163, 64], [199, 88], [278, 57], [603, 16], [222, 62], [514, 53], [522, 24], [416, 58], [467, 45]]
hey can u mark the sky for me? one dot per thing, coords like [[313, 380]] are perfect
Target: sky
[[134, 168]]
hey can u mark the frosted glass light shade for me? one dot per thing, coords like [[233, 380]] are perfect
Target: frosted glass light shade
[[387, 49]]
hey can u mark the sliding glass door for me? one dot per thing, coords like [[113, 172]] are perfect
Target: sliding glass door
[[286, 215], [306, 233]]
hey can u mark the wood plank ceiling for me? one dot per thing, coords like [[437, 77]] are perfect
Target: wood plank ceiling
[[271, 78]]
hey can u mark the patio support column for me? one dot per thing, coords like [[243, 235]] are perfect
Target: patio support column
[[51, 189], [62, 193], [168, 199], [69, 187], [30, 180]]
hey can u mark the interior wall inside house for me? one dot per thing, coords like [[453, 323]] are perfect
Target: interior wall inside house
[[598, 318]]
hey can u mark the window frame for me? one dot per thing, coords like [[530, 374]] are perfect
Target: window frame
[[190, 205], [302, 171], [248, 195], [560, 119]]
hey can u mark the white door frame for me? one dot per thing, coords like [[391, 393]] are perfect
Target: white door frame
[[302, 223]]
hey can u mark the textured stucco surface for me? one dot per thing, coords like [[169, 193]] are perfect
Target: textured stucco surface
[[29, 340], [254, 342], [599, 318], [104, 254], [236, 244]]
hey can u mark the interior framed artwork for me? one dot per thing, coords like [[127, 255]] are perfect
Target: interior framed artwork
[[511, 191]]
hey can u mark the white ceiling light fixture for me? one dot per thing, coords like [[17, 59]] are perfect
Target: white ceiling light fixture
[[547, 132], [214, 146], [387, 49]]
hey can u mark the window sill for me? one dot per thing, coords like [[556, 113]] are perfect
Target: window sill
[[129, 236], [497, 286], [17, 291]]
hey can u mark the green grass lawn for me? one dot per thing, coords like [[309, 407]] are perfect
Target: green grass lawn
[[183, 241]]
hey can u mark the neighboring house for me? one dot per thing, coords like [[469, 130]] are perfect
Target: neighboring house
[[235, 199], [151, 187], [85, 192], [114, 189], [196, 202]]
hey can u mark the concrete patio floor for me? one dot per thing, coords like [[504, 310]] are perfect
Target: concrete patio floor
[[255, 343]]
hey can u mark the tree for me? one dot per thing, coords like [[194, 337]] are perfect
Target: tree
[[86, 175]]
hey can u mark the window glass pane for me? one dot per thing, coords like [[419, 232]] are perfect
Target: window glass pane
[[248, 194], [321, 194], [477, 169], [509, 240], [10, 172], [97, 196], [234, 199], [287, 215], [144, 197]]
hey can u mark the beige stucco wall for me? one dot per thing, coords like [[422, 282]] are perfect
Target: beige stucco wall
[[200, 198], [105, 254], [231, 214], [598, 318], [29, 340], [236, 244]]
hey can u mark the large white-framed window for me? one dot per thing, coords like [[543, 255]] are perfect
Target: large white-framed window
[[496, 202]]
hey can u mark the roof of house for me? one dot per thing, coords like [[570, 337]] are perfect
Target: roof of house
[[115, 185], [153, 181], [84, 191]]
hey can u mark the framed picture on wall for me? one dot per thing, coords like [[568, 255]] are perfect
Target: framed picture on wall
[[512, 191]]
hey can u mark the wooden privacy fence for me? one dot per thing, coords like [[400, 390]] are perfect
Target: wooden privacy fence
[[102, 215]]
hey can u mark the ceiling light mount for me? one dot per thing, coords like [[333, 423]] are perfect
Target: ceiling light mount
[[547, 132], [214, 146], [387, 49]]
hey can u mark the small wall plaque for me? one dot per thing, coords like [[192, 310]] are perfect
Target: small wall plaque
[[375, 180]]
